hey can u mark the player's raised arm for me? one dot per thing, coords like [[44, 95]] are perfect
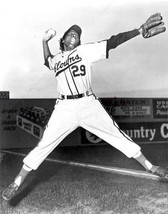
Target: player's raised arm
[[153, 26], [49, 34], [120, 38]]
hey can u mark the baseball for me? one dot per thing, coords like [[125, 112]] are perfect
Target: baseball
[[52, 32]]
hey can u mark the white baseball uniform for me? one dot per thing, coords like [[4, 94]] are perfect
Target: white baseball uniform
[[73, 73]]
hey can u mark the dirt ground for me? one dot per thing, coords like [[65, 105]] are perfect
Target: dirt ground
[[64, 189]]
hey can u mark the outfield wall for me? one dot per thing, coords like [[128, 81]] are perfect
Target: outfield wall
[[22, 121]]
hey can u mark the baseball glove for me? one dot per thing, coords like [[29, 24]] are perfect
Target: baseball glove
[[153, 26]]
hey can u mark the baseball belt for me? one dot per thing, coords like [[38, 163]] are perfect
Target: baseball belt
[[76, 96]]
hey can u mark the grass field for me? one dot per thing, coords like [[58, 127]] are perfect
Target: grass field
[[57, 188]]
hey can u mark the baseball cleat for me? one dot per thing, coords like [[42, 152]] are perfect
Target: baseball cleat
[[159, 171], [10, 191]]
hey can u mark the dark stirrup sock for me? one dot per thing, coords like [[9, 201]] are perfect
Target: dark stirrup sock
[[143, 161], [25, 170]]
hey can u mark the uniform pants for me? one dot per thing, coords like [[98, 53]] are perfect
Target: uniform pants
[[88, 113]]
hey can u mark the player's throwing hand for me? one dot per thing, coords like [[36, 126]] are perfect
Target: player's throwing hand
[[49, 34]]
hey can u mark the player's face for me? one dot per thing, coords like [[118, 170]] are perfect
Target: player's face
[[71, 40]]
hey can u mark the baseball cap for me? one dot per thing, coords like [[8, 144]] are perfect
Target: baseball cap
[[76, 28]]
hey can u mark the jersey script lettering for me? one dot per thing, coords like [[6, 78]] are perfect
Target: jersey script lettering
[[69, 61]]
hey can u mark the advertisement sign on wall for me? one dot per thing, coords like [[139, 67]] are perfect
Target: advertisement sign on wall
[[128, 108], [22, 123], [33, 119], [160, 108], [145, 120], [146, 132]]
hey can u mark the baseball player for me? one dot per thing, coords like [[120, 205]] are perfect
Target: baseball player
[[77, 105]]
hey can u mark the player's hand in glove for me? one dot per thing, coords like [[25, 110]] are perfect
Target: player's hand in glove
[[49, 34], [152, 26]]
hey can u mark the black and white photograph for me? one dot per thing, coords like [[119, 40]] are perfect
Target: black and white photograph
[[84, 107]]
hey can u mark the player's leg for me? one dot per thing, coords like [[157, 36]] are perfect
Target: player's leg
[[11, 190], [61, 123], [97, 121]]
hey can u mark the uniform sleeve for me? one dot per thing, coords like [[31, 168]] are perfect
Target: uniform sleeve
[[50, 62], [96, 51], [117, 40]]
